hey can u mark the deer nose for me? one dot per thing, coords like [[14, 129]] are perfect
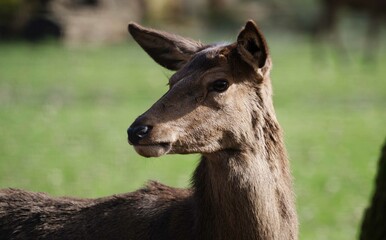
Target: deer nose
[[136, 133]]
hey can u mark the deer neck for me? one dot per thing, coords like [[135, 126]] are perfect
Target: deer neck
[[246, 194]]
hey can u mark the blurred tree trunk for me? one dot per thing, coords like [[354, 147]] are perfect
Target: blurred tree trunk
[[216, 6], [216, 10], [221, 13], [374, 220], [143, 10]]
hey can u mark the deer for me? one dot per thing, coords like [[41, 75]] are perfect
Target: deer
[[375, 9], [374, 219], [219, 104]]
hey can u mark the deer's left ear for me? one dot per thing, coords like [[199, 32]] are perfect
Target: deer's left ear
[[252, 47], [168, 50]]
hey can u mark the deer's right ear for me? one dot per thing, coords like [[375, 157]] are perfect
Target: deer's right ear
[[168, 50], [253, 48]]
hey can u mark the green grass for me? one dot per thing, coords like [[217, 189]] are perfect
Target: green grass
[[64, 115]]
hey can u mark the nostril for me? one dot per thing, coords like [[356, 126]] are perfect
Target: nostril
[[141, 131], [136, 133]]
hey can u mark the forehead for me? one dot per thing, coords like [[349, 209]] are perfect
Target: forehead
[[201, 62]]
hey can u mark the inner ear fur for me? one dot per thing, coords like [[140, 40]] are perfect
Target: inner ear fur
[[252, 46], [168, 50]]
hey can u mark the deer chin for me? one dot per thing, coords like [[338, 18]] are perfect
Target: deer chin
[[153, 150]]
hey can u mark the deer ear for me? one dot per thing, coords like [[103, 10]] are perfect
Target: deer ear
[[168, 50], [252, 46]]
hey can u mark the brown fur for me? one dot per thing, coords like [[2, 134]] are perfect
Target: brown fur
[[242, 188]]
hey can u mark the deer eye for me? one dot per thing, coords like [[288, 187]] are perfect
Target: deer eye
[[219, 85]]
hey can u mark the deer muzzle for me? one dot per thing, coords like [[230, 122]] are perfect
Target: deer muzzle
[[138, 136]]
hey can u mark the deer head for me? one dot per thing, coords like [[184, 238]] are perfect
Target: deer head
[[216, 97]]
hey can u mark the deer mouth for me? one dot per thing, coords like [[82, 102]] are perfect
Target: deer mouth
[[152, 150]]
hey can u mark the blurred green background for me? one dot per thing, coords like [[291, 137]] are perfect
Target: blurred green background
[[65, 106]]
